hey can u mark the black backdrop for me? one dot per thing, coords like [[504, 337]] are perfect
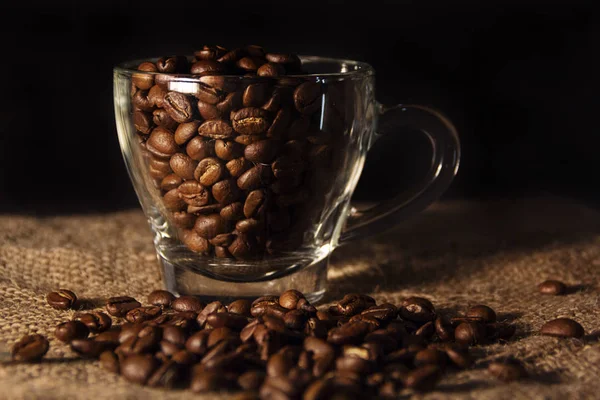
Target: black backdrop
[[519, 79]]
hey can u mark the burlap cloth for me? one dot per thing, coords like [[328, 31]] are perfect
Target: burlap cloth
[[456, 253]]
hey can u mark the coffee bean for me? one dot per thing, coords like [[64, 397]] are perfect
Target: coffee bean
[[162, 118], [184, 357], [165, 376], [289, 299], [30, 348], [144, 81], [70, 330], [280, 124], [238, 166], [170, 182], [209, 171], [261, 152], [109, 361], [507, 371], [206, 381], [161, 298], [250, 121], [215, 129], [95, 321], [562, 327], [210, 52], [232, 212], [225, 319], [141, 101], [470, 333], [178, 106], [172, 64], [423, 378], [141, 314], [249, 226], [443, 329], [290, 61], [185, 132], [255, 178], [199, 148], [417, 309], [307, 97], [251, 380], [353, 304], [193, 193], [195, 242], [208, 209], [208, 93], [226, 192], [228, 150], [187, 303], [255, 95], [223, 239], [138, 368], [146, 340], [109, 338], [430, 357], [62, 299], [198, 342], [142, 122], [183, 166], [384, 312], [156, 96], [159, 169], [207, 67], [247, 139], [214, 307], [88, 348], [482, 313], [121, 305], [250, 64], [552, 287], [459, 357], [161, 143], [271, 70], [350, 333]]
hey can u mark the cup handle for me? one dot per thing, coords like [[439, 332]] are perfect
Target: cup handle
[[444, 165]]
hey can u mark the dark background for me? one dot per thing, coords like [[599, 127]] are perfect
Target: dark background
[[519, 79]]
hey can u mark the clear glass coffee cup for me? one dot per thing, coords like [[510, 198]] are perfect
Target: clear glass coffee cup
[[247, 181]]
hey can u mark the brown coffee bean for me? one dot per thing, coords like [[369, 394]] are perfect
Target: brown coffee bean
[[146, 340], [70, 330], [198, 342], [170, 64], [261, 152], [174, 335], [248, 139], [208, 94], [552, 287], [161, 298], [185, 132], [30, 348], [225, 319], [417, 309], [232, 212], [228, 150], [170, 182], [315, 328], [138, 368], [459, 357], [251, 380], [507, 371], [249, 226], [209, 171], [215, 129], [195, 242], [141, 101], [121, 305], [165, 376], [142, 314], [423, 378], [350, 333], [183, 166], [430, 357], [162, 118], [562, 327], [200, 148], [88, 348], [250, 64], [255, 178], [109, 361], [470, 333], [271, 70], [255, 95], [110, 338], [210, 52], [443, 329], [62, 299], [226, 191], [178, 106], [238, 166], [161, 143], [207, 67], [95, 321], [187, 303], [144, 81], [142, 122], [353, 304], [159, 169], [482, 313], [255, 203], [173, 201], [384, 312], [214, 307], [156, 96], [250, 121], [307, 97], [289, 299], [208, 209], [193, 193], [280, 124], [207, 381]]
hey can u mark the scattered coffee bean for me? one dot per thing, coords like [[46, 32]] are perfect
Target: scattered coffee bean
[[507, 371], [88, 348], [482, 313], [552, 287], [417, 309], [31, 348], [161, 298], [187, 303], [95, 321], [70, 330], [120, 306], [109, 361], [470, 333], [62, 299], [562, 327], [138, 368]]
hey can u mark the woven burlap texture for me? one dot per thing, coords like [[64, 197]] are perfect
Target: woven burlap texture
[[456, 253]]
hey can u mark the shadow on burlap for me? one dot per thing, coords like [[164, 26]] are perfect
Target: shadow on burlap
[[456, 254]]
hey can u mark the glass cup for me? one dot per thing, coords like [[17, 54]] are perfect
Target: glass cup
[[247, 181]]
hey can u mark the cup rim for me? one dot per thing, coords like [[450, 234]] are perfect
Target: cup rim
[[354, 69]]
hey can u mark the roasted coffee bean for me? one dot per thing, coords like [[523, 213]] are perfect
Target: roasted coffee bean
[[162, 118], [178, 106], [261, 152], [209, 171], [184, 357], [139, 368], [146, 340], [187, 303], [161, 298], [228, 150], [552, 287], [209, 226], [200, 148], [142, 314], [170, 182], [165, 376], [185, 132], [221, 334], [215, 129], [161, 143], [225, 319], [350, 333], [255, 203], [142, 122], [507, 371], [207, 381], [423, 378], [70, 330], [223, 239], [173, 201], [95, 321], [210, 52], [383, 339], [172, 64], [250, 64], [255, 178], [316, 328], [251, 380], [307, 97], [141, 101], [159, 169], [250, 121], [263, 302], [226, 191], [207, 67], [482, 313], [290, 61], [289, 299], [168, 348], [470, 333], [459, 357], [198, 342], [238, 166], [207, 209], [62, 299], [562, 327], [109, 361], [249, 226], [417, 309], [193, 193], [430, 357], [255, 95], [195, 242], [121, 305], [295, 319], [232, 212], [353, 304], [129, 331], [240, 307], [214, 307], [109, 338], [144, 81], [443, 329], [183, 166], [384, 312], [30, 348], [271, 70], [248, 139], [280, 124], [88, 348], [156, 96], [425, 330]]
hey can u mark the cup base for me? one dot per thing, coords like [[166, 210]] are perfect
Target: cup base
[[180, 280]]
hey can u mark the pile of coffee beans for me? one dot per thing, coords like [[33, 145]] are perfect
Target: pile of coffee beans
[[243, 163]]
